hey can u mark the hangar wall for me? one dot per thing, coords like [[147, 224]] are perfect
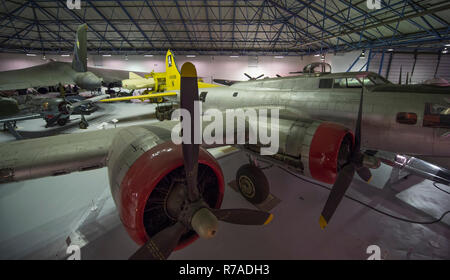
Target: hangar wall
[[208, 67], [225, 67]]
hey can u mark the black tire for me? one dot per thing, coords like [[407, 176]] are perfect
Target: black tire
[[62, 122], [160, 116], [252, 183], [83, 125]]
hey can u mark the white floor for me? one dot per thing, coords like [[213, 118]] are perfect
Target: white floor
[[38, 216]]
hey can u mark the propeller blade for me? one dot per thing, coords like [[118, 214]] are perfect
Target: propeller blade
[[341, 185], [189, 94], [358, 122], [364, 173], [243, 216], [260, 76], [248, 76], [161, 245]]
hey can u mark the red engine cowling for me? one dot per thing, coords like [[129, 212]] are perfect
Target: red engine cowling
[[325, 149], [142, 169]]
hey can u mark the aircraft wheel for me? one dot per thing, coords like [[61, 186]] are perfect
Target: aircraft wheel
[[159, 100], [160, 116], [83, 125], [252, 183], [62, 122]]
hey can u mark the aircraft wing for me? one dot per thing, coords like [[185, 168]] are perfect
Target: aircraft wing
[[414, 165], [49, 74], [112, 76], [67, 153], [141, 97], [55, 155], [90, 100], [21, 118]]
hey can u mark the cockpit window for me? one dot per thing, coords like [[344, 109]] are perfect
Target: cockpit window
[[351, 83], [436, 115]]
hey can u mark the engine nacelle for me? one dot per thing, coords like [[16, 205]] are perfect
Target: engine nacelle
[[318, 149], [143, 170]]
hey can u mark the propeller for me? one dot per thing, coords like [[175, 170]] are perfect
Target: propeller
[[356, 163], [253, 78], [195, 214]]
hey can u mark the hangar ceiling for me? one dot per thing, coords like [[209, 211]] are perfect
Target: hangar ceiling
[[252, 27]]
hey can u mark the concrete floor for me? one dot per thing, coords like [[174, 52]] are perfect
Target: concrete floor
[[38, 216]]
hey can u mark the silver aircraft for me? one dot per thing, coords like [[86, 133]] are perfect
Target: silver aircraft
[[331, 127]]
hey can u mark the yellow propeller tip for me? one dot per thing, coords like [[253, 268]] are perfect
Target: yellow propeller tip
[[322, 222], [269, 219], [370, 179], [188, 70]]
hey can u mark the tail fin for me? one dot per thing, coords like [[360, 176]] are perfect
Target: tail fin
[[172, 74], [79, 62]]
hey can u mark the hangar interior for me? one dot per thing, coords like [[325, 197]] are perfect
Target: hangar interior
[[404, 41]]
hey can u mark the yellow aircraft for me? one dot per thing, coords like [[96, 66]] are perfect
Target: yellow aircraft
[[137, 82], [161, 83]]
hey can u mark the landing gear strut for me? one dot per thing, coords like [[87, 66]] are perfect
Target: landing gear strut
[[83, 123], [252, 183], [164, 111]]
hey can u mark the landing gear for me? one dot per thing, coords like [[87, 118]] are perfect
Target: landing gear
[[83, 123], [164, 112], [62, 121], [252, 183]]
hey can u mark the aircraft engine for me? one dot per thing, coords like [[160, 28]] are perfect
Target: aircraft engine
[[316, 149], [325, 149], [147, 182]]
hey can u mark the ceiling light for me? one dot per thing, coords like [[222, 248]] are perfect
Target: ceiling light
[[65, 55], [363, 54], [190, 55], [234, 56], [148, 55], [31, 54], [126, 57], [279, 56], [447, 45], [390, 50], [106, 55], [317, 55]]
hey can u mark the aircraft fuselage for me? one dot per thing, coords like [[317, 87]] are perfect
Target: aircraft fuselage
[[383, 126]]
